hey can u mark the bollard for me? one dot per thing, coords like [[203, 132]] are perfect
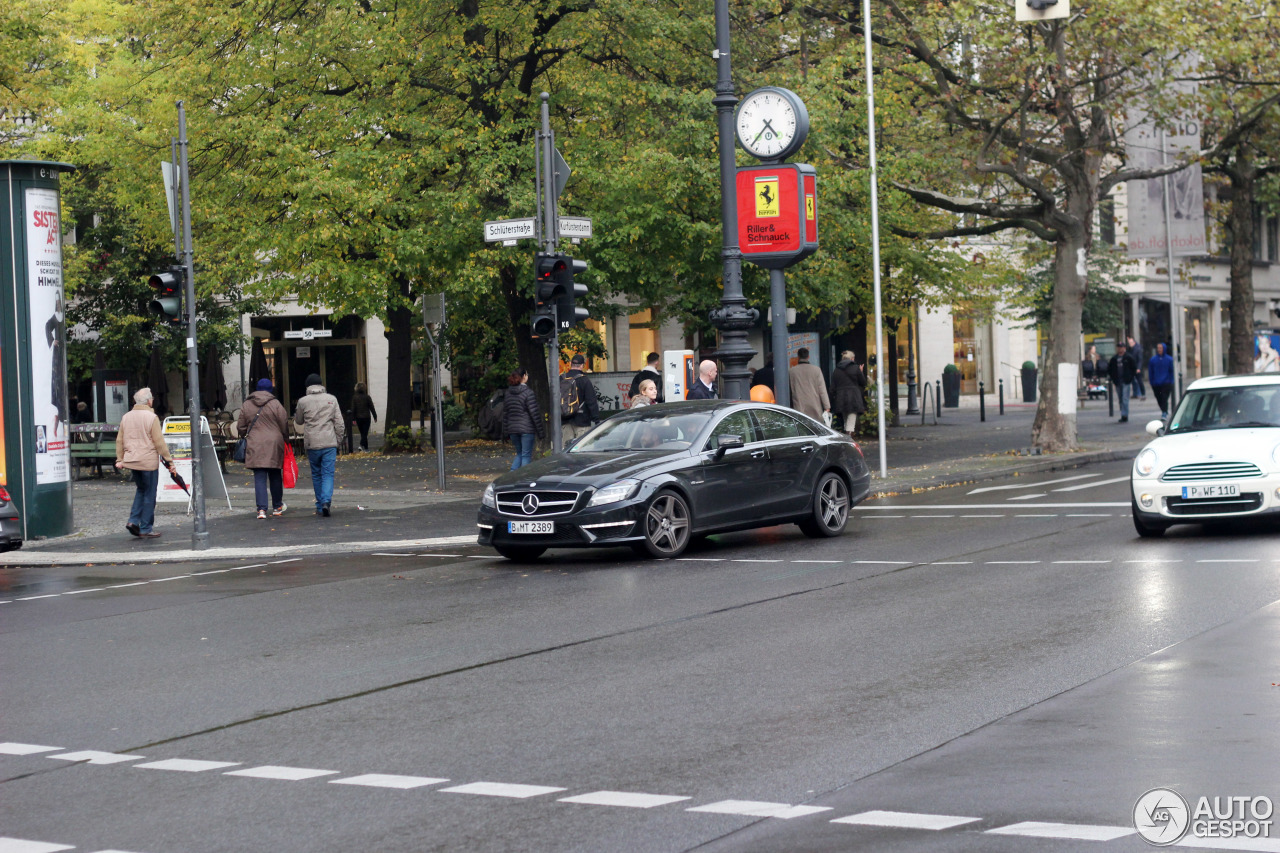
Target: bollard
[[1001, 397], [982, 402], [1111, 403], [937, 399]]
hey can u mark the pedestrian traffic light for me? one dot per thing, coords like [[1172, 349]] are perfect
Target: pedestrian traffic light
[[569, 292], [169, 285]]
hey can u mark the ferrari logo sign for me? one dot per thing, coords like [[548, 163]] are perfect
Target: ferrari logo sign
[[768, 202]]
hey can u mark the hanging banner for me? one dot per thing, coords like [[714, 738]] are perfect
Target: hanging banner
[[48, 337], [1148, 234]]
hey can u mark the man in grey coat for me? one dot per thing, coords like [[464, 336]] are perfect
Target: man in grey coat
[[323, 429], [808, 387]]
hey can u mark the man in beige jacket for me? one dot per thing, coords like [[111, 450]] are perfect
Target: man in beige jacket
[[808, 387], [139, 448]]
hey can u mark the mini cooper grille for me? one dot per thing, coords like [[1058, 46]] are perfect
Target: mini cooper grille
[[1211, 471], [527, 503], [1214, 506]]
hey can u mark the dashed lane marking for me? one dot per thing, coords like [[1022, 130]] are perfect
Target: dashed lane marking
[[20, 845], [90, 756], [752, 808], [907, 820], [1012, 562], [387, 780], [286, 774], [1033, 485], [1072, 831], [952, 563], [623, 799], [1124, 479], [1037, 515], [502, 789], [186, 765], [1030, 497], [290, 560], [1088, 515], [1081, 562], [1090, 504], [1228, 561]]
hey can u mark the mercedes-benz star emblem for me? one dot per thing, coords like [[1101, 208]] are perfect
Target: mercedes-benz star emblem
[[529, 504]]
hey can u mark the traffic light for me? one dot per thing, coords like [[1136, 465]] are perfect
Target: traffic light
[[570, 291], [169, 285], [544, 271], [555, 285]]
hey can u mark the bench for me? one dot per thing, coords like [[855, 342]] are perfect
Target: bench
[[92, 443]]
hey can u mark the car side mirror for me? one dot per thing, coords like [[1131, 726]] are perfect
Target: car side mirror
[[727, 442], [1155, 427]]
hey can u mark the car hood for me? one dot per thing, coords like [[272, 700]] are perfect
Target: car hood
[[579, 470], [1247, 444]]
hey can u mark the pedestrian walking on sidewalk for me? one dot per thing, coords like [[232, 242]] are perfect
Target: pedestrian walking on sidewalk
[[1135, 350], [320, 417], [362, 411], [521, 417], [1160, 377], [579, 409], [848, 384], [1122, 369], [704, 387], [764, 376], [264, 423], [809, 387], [139, 448]]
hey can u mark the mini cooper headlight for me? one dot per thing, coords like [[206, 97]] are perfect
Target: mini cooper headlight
[[614, 492], [1146, 462], [487, 498]]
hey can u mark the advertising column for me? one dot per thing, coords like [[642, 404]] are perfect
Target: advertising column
[[35, 436]]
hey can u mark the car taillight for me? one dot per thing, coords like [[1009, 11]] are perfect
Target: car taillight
[[4, 494]]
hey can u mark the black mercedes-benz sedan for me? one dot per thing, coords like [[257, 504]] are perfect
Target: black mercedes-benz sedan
[[656, 477]]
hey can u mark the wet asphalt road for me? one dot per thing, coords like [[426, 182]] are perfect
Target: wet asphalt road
[[1013, 655]]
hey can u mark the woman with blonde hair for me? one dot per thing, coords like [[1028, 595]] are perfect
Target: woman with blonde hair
[[648, 394]]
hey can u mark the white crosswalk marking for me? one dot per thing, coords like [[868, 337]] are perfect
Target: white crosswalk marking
[[502, 789], [906, 820], [25, 748], [90, 756], [186, 765], [1074, 831], [1259, 845], [19, 845], [622, 798], [287, 774], [385, 780], [751, 808]]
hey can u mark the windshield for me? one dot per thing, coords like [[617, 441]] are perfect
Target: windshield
[[1227, 408], [659, 432]]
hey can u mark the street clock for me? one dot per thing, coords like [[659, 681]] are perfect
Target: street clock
[[772, 123]]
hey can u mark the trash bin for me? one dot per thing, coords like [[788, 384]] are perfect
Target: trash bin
[[951, 387], [1029, 381]]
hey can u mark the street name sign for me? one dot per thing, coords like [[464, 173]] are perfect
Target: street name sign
[[575, 227], [507, 231]]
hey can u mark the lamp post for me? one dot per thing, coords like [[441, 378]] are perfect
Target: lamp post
[[912, 407], [733, 318]]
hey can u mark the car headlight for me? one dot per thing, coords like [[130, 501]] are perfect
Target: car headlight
[[487, 498], [614, 492], [1146, 462], [1275, 454]]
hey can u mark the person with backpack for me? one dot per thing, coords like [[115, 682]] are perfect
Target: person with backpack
[[579, 410], [521, 418]]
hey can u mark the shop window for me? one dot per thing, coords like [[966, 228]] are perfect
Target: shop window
[[642, 337]]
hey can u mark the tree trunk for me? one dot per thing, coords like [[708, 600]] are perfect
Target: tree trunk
[[1052, 430], [1243, 180], [399, 359]]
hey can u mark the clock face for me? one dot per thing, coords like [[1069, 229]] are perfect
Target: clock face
[[770, 123]]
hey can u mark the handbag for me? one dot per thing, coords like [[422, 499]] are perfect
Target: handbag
[[238, 452], [290, 474]]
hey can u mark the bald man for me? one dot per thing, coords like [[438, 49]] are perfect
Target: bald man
[[705, 387]]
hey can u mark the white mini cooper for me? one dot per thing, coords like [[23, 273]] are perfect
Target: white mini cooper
[[1218, 459]]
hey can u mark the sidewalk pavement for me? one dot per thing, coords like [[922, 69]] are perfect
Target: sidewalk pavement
[[393, 501]]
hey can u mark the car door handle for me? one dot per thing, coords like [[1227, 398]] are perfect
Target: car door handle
[[757, 454], [808, 448]]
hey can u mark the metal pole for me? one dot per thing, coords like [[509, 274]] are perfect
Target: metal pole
[[982, 401], [548, 183], [437, 394], [913, 407], [1175, 317], [200, 535], [176, 224], [733, 318], [778, 314], [875, 238], [553, 379], [1002, 397]]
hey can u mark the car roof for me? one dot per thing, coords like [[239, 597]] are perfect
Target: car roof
[[1245, 381]]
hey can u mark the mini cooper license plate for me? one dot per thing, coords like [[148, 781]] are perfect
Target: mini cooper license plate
[[531, 527], [1217, 491]]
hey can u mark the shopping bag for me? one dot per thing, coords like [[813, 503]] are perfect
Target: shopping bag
[[290, 470]]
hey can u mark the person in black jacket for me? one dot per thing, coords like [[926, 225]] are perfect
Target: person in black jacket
[[764, 376], [848, 383], [362, 411], [587, 414], [1122, 369], [521, 418]]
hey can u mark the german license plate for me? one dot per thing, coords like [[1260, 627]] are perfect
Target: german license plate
[[1216, 491], [531, 527]]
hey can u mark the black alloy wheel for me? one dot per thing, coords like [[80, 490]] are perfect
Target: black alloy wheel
[[830, 511], [1146, 529], [520, 553], [667, 526]]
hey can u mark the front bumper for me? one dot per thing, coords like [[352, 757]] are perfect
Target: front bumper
[[617, 524], [1258, 496]]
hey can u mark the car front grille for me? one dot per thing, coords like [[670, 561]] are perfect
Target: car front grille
[[548, 503], [1211, 471], [1246, 502]]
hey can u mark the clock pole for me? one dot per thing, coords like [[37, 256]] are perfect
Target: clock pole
[[733, 318]]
